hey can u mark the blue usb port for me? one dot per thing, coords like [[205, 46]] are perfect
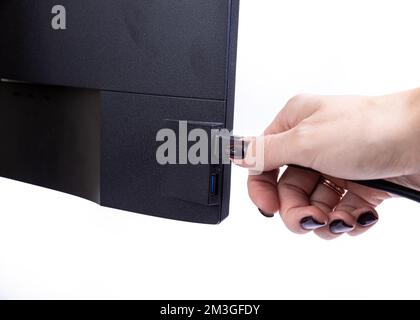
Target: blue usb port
[[213, 184]]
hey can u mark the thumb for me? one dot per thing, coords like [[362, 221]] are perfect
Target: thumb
[[270, 152]]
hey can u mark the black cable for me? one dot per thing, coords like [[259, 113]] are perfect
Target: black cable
[[391, 187], [382, 185]]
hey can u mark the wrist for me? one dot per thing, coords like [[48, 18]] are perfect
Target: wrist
[[412, 105], [399, 129]]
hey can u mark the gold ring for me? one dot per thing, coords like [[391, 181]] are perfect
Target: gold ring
[[334, 187]]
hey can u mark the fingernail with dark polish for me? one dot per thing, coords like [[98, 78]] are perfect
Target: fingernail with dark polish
[[310, 223], [367, 219], [339, 226], [238, 148], [267, 215]]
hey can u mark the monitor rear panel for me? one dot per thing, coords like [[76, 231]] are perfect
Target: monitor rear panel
[[117, 73]]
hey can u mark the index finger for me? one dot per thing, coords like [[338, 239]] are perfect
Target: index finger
[[262, 190]]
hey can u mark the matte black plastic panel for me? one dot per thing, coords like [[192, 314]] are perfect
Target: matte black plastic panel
[[102, 146], [51, 137], [162, 47], [131, 178], [143, 61], [193, 182]]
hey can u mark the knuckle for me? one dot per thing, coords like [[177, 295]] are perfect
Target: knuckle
[[270, 143], [304, 132], [304, 99], [304, 141], [297, 100]]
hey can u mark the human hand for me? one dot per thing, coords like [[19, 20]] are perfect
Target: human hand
[[345, 138]]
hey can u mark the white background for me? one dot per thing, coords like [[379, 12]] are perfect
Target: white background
[[57, 246]]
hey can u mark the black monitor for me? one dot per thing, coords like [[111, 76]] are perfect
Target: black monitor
[[88, 84]]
